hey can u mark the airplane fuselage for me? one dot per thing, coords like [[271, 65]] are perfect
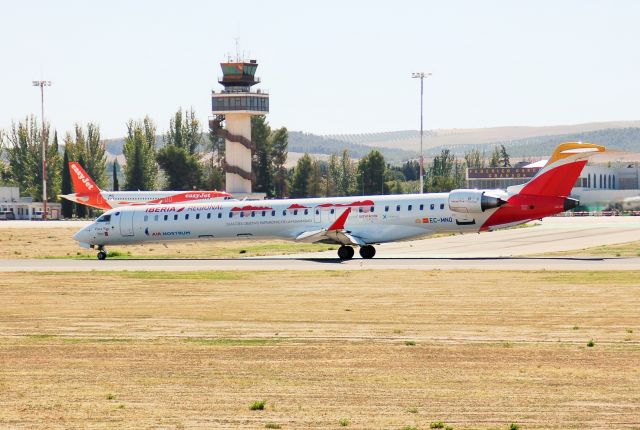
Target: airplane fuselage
[[376, 219]]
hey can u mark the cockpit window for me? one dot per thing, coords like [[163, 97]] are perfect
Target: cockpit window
[[104, 218]]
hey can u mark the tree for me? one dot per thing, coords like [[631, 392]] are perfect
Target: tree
[[371, 169], [66, 188], [114, 181], [139, 150], [441, 174], [301, 177], [81, 210], [347, 179], [474, 158], [24, 152], [178, 158], [182, 169], [262, 164], [504, 157], [279, 151]]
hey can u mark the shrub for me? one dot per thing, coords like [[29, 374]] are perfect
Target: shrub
[[437, 425], [344, 422], [412, 410], [590, 343], [514, 426], [272, 426], [110, 396], [409, 343], [258, 405]]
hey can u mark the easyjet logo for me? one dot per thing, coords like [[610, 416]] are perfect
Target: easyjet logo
[[86, 181]]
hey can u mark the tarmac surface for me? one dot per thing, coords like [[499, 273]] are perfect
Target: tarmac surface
[[513, 249]]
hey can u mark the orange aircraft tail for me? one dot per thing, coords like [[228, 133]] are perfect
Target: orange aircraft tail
[[82, 182]]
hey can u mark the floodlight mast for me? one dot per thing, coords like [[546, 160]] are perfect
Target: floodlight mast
[[421, 76], [43, 84]]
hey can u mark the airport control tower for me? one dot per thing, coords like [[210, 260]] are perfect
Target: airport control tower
[[232, 110]]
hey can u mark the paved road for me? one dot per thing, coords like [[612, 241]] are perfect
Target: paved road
[[501, 250]]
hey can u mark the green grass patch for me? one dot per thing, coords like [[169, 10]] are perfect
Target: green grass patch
[[218, 275], [257, 405], [344, 422], [39, 336], [629, 249], [272, 426], [230, 342]]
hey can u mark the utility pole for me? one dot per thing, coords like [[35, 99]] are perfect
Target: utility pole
[[43, 84], [421, 76]]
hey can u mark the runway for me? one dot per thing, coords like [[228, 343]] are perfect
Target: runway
[[514, 249]]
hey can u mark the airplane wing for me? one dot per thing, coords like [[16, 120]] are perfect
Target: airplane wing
[[336, 233]]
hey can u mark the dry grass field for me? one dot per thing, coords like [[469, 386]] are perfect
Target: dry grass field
[[362, 350], [58, 243]]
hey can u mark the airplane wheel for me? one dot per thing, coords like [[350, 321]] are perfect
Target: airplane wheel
[[102, 255], [345, 253], [367, 251]]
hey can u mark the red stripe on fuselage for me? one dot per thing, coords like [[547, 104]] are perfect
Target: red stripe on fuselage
[[523, 208]]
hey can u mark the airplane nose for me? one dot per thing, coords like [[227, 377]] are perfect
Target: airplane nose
[[81, 236]]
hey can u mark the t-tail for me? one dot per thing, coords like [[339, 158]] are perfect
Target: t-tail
[[547, 193]]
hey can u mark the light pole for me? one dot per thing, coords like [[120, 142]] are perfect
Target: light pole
[[43, 84], [421, 76]]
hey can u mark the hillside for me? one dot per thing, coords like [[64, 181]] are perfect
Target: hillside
[[622, 139], [410, 139]]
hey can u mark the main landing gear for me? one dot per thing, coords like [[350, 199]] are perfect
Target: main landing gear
[[346, 252], [102, 253]]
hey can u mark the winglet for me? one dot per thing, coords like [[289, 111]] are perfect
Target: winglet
[[339, 223], [82, 182]]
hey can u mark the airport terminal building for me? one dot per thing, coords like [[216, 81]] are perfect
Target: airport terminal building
[[601, 183], [12, 206]]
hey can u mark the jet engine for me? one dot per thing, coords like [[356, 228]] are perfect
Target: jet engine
[[475, 201]]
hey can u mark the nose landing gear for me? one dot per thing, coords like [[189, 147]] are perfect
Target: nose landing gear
[[102, 253]]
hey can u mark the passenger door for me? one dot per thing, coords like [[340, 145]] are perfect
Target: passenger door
[[126, 223]]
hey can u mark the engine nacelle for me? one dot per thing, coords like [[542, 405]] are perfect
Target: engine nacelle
[[475, 201]]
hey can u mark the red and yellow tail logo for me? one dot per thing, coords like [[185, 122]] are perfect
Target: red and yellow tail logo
[[82, 182]]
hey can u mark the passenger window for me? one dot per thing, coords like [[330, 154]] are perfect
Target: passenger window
[[360, 209], [253, 214], [155, 218], [166, 217], [441, 205], [306, 211], [421, 207], [410, 207], [317, 212], [197, 216], [186, 216], [230, 214], [219, 214], [372, 209], [273, 213], [284, 213], [264, 213], [146, 218], [386, 208], [241, 214], [398, 208], [295, 211], [175, 217], [209, 215], [333, 211]]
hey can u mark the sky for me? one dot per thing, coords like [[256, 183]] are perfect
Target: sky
[[331, 67]]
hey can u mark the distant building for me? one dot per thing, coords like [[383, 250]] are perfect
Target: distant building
[[12, 206], [606, 181]]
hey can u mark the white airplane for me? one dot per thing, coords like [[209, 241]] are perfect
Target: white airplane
[[349, 221], [88, 193]]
